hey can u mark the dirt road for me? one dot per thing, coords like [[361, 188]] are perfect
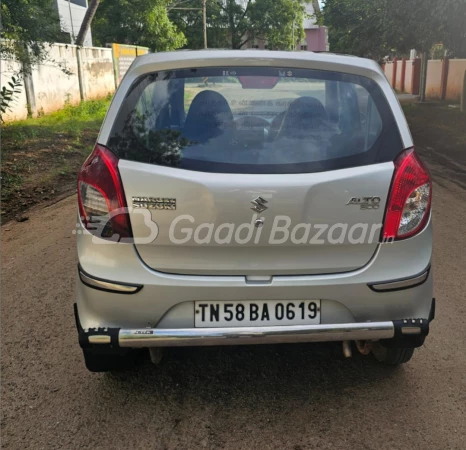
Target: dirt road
[[280, 397]]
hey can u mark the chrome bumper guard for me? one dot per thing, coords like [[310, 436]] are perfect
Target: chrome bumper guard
[[156, 337], [404, 333]]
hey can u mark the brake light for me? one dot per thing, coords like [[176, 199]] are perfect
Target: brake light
[[408, 207], [102, 203]]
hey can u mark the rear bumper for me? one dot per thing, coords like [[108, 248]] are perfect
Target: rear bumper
[[166, 301], [405, 333]]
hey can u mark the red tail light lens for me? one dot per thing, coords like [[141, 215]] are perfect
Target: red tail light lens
[[102, 203], [408, 207]]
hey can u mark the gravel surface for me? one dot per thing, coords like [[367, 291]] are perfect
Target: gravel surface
[[266, 397]]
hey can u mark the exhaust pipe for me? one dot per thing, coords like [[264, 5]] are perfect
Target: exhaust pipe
[[364, 347], [347, 349], [156, 355]]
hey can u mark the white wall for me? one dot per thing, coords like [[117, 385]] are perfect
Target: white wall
[[98, 76], [52, 87]]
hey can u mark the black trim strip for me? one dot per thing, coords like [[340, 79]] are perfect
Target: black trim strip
[[376, 287], [432, 311], [137, 287]]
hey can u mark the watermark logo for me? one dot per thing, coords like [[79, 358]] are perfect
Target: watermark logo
[[282, 231], [184, 229], [104, 228]]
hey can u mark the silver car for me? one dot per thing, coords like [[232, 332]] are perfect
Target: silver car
[[253, 197]]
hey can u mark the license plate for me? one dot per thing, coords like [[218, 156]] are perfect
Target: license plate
[[256, 313]]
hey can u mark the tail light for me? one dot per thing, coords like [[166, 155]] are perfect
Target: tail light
[[102, 203], [410, 198]]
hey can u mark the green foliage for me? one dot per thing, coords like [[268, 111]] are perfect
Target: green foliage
[[190, 22], [354, 26], [437, 51], [410, 24], [138, 143], [280, 23], [232, 23], [452, 17], [7, 95], [136, 22], [375, 28], [28, 27]]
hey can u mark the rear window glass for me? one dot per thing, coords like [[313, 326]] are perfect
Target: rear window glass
[[255, 120]]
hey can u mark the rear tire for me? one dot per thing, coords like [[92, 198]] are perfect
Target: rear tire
[[391, 356], [109, 360]]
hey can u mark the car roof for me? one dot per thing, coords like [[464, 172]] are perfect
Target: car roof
[[217, 57]]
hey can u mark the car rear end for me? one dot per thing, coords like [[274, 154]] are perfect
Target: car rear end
[[253, 197]]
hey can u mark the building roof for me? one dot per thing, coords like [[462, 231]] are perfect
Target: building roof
[[311, 9]]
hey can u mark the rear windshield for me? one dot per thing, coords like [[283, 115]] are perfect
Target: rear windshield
[[255, 120]]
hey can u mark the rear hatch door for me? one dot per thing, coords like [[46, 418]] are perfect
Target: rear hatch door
[[314, 223], [255, 170]]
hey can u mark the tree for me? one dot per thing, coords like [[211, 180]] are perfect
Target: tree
[[452, 17], [410, 24], [233, 23], [136, 22], [355, 27], [279, 22], [190, 23], [375, 28], [28, 27], [86, 23]]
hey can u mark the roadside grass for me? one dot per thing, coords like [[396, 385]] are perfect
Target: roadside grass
[[71, 121], [41, 156]]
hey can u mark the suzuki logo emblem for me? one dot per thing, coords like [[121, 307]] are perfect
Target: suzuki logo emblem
[[258, 204]]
